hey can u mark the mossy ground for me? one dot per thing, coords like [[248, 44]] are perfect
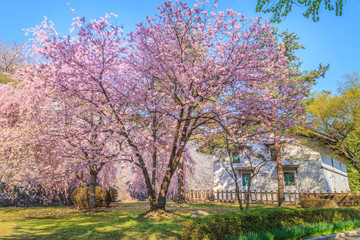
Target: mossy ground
[[121, 221]]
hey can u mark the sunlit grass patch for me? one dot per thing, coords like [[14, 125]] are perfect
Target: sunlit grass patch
[[122, 220]]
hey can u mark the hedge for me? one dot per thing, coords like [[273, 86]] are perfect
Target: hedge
[[223, 226], [302, 231], [103, 196]]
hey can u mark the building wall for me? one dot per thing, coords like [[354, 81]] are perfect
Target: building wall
[[335, 174], [333, 167], [198, 168], [206, 172], [308, 177]]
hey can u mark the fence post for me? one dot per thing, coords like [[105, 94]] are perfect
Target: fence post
[[272, 197], [218, 195], [266, 197], [290, 202], [261, 197], [255, 193], [315, 194], [295, 198]]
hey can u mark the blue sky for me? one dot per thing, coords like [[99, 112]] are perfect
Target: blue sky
[[333, 40]]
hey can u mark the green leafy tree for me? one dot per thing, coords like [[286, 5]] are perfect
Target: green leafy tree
[[336, 122], [292, 45], [281, 8]]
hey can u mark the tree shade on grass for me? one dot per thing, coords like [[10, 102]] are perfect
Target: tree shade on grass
[[121, 221], [126, 221]]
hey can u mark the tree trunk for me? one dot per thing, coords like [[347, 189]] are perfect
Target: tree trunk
[[153, 174], [150, 190], [154, 154], [80, 177], [248, 195], [158, 206], [148, 184], [93, 177], [161, 200], [280, 173], [237, 192], [181, 191], [235, 178]]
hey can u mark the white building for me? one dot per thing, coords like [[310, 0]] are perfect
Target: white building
[[308, 167]]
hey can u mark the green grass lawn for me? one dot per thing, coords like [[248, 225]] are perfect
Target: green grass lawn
[[4, 79], [303, 231], [121, 221]]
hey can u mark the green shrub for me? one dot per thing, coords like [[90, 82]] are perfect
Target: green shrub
[[80, 198], [317, 203], [303, 231], [103, 196], [222, 226]]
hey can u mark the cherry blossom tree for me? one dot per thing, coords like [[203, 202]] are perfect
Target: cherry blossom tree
[[11, 56], [73, 72], [207, 67], [181, 72], [25, 149]]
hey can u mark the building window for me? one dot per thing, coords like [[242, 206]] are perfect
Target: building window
[[236, 157], [245, 179], [272, 154], [326, 160], [289, 178]]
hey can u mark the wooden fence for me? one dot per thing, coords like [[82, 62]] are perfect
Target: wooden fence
[[256, 197]]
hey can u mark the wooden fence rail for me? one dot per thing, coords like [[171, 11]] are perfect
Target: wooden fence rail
[[256, 197]]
